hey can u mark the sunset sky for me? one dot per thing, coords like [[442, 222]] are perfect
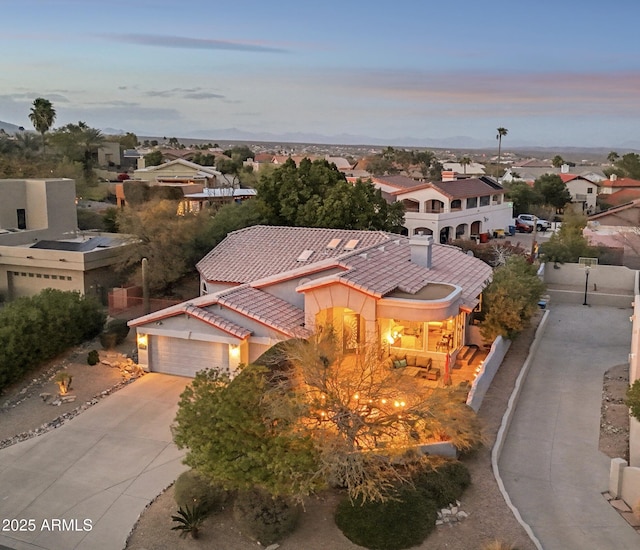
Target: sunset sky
[[555, 73]]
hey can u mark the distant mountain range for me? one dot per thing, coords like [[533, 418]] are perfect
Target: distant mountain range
[[10, 128], [453, 142]]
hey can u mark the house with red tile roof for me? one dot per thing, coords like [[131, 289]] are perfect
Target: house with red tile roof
[[265, 284], [584, 192], [451, 209], [615, 183]]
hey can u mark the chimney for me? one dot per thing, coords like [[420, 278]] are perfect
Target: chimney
[[421, 249], [613, 177], [448, 175], [141, 163], [564, 169]]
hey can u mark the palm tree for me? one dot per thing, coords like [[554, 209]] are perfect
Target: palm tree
[[42, 117], [501, 132], [464, 162]]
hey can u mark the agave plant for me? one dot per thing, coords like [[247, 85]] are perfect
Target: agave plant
[[189, 520]]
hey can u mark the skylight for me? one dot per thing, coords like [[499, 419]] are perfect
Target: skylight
[[305, 255], [334, 243], [351, 244]]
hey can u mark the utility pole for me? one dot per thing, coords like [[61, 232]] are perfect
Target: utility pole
[[535, 234], [145, 287]]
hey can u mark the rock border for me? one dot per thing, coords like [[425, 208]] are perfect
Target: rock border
[[60, 420]]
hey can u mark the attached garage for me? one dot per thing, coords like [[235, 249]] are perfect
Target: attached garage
[[185, 357]]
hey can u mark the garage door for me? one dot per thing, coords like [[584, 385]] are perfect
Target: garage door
[[185, 357]]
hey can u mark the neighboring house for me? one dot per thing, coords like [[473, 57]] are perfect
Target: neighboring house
[[615, 184], [615, 191], [530, 172], [472, 169], [109, 154], [180, 171], [265, 284], [584, 193], [618, 227], [455, 209], [188, 176], [41, 247], [216, 197]]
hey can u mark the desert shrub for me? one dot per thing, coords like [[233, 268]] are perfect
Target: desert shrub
[[114, 333], [188, 521], [93, 357], [36, 329], [264, 517], [394, 524], [191, 489], [445, 484], [632, 399]]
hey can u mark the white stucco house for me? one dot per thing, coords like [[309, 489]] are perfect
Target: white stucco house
[[265, 284], [454, 209]]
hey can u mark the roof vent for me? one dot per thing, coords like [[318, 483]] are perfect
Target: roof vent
[[304, 255], [351, 244], [333, 243]]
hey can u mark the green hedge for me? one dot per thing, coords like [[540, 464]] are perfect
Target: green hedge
[[36, 329], [191, 489], [263, 517], [114, 333], [445, 484], [392, 525]]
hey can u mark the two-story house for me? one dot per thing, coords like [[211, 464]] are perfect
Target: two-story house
[[448, 210], [41, 247], [584, 192]]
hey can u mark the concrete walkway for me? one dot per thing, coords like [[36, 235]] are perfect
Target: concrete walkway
[[100, 470], [550, 463]]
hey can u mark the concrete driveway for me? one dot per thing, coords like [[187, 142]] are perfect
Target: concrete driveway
[[550, 464], [97, 472]]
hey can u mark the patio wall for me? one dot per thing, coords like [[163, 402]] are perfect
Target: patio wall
[[609, 285], [624, 477], [490, 366]]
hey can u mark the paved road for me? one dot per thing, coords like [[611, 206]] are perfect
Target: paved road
[[550, 464], [104, 466]]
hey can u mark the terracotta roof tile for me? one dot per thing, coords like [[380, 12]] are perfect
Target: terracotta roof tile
[[262, 251], [216, 321], [380, 272], [265, 308]]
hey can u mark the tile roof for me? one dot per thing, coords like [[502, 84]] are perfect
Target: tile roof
[[216, 321], [472, 187], [384, 269], [250, 302], [566, 178], [620, 197], [620, 182], [265, 308], [400, 182], [632, 203], [261, 251]]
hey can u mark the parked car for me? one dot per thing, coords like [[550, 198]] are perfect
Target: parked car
[[532, 221], [522, 227]]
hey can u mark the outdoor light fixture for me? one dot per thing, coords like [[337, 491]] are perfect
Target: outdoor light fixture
[[234, 351], [587, 268], [142, 341]]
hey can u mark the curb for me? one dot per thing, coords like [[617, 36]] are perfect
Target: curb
[[496, 451]]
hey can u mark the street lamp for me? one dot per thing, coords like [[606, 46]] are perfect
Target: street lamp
[[587, 268]]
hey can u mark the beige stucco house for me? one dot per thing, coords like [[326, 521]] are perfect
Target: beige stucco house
[[584, 192], [41, 247], [264, 284]]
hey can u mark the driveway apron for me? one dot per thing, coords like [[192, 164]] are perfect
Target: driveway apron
[[83, 485], [551, 466]]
